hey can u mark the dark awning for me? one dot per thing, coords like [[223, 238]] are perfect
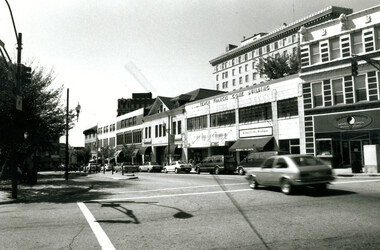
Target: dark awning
[[142, 150], [117, 153], [135, 151], [250, 144], [172, 149]]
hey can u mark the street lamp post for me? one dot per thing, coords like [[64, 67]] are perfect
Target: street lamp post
[[78, 108]]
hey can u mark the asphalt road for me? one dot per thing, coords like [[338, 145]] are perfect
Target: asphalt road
[[189, 211]]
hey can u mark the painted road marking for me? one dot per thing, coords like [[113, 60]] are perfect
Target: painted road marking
[[346, 182], [173, 195], [176, 188], [101, 236]]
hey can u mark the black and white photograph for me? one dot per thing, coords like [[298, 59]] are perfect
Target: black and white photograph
[[189, 124]]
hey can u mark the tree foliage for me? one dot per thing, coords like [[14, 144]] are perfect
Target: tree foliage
[[107, 152], [43, 115], [280, 66]]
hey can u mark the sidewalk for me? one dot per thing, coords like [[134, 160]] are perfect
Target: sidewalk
[[347, 172]]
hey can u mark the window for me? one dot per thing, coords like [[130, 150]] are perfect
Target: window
[[357, 43], [233, 82], [335, 48], [345, 45], [305, 60], [281, 163], [246, 67], [179, 127], [317, 94], [233, 72], [156, 131], [240, 70], [360, 88], [290, 146], [268, 163], [240, 80], [268, 48], [217, 87], [246, 78], [287, 108], [369, 41], [198, 122], [149, 132], [174, 128], [255, 113], [222, 118], [377, 37], [315, 56], [337, 87]]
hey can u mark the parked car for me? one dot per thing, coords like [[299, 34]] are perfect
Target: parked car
[[217, 164], [128, 167], [150, 166], [92, 167], [254, 159], [290, 171], [177, 166], [117, 168]]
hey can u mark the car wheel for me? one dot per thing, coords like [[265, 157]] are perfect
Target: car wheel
[[241, 171], [198, 170], [217, 170], [176, 171], [165, 171], [286, 187], [253, 183]]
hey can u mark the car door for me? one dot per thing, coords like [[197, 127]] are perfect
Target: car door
[[280, 167], [263, 175]]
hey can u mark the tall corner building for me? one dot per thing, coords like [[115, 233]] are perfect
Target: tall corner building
[[238, 67]]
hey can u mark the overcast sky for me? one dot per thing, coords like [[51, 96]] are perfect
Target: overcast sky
[[96, 47]]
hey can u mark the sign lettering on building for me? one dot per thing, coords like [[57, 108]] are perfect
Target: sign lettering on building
[[254, 132]]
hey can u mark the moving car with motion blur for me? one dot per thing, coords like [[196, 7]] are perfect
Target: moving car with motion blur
[[150, 167], [178, 166], [128, 167], [291, 171], [254, 159]]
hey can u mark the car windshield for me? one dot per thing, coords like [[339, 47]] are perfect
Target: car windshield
[[303, 161]]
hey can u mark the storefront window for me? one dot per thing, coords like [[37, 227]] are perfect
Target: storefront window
[[324, 147], [222, 118]]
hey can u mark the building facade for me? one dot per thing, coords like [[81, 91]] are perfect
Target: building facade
[[341, 103], [240, 66], [138, 100]]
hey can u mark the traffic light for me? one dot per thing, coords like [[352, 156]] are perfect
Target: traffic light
[[26, 74], [354, 67]]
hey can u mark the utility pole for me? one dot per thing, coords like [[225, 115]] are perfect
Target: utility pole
[[67, 138], [17, 89]]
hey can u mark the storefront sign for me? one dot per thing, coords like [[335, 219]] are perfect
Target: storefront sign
[[349, 122], [233, 96], [267, 131]]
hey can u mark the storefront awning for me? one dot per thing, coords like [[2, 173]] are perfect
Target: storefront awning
[[117, 153], [250, 144], [135, 151], [142, 150], [172, 149]]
